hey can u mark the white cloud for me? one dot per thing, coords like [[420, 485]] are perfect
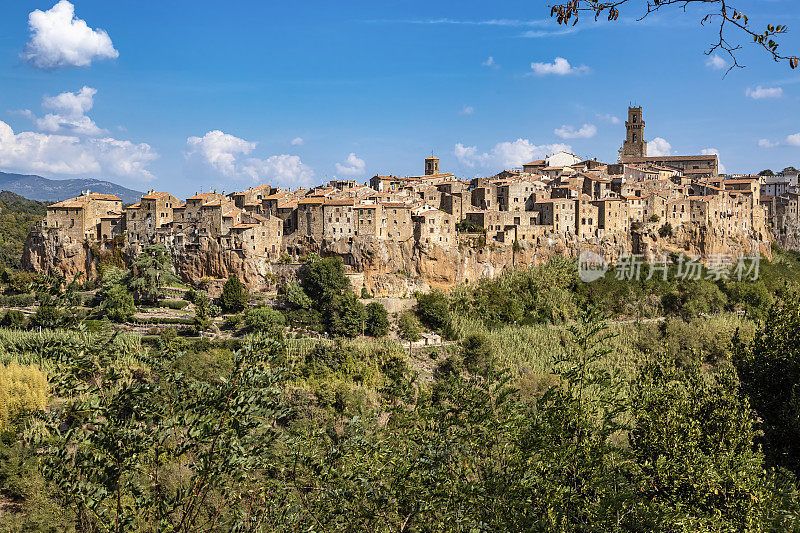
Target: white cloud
[[217, 154], [608, 117], [219, 151], [47, 154], [351, 166], [587, 131], [658, 147], [714, 151], [716, 62], [69, 114], [505, 154], [59, 39], [760, 92], [281, 169], [490, 62], [297, 141], [766, 143], [467, 110], [559, 67], [790, 140]]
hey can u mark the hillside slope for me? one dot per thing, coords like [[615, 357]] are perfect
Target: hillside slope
[[43, 189]]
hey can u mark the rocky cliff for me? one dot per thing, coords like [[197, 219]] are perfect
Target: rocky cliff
[[398, 269]]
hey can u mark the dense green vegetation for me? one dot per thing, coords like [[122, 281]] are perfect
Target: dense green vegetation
[[17, 216], [539, 414]]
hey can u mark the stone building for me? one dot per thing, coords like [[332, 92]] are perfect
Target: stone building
[[634, 145], [80, 218]]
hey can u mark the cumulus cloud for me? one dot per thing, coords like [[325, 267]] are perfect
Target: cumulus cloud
[[297, 141], [759, 93], [658, 147], [790, 140], [467, 110], [68, 113], [351, 166], [59, 39], [608, 117], [587, 131], [50, 154], [221, 155], [490, 62], [766, 143], [716, 62], [508, 154], [714, 151], [559, 67]]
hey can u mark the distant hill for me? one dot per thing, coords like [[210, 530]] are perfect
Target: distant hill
[[43, 189]]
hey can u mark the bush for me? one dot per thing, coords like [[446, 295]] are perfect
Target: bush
[[232, 323], [173, 304], [654, 218], [13, 319], [22, 389], [47, 316], [118, 304], [296, 297], [17, 300], [265, 320], [365, 294], [665, 230], [234, 296], [377, 320]]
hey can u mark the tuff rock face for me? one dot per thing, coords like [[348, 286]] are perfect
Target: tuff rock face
[[397, 269]]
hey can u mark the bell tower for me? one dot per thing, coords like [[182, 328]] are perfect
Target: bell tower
[[634, 145], [431, 165]]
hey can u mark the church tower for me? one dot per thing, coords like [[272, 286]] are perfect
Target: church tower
[[431, 165], [634, 145]]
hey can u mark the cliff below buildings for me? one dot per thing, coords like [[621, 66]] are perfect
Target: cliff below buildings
[[397, 269]]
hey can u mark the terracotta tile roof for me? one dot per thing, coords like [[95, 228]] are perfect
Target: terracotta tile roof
[[339, 201], [137, 205], [244, 225], [311, 200], [154, 195]]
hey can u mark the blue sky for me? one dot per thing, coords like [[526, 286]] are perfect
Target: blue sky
[[188, 95]]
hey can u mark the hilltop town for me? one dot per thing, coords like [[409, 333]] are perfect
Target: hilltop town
[[435, 229]]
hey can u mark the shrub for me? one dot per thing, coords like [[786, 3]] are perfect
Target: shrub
[[232, 323], [365, 294], [265, 320], [22, 389], [118, 304], [173, 304], [13, 319], [377, 320], [17, 300], [234, 296], [654, 218], [47, 316], [665, 230]]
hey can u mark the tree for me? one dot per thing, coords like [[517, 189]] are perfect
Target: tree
[[295, 296], [408, 326], [323, 279], [377, 320], [769, 369], [152, 270], [115, 442], [234, 296], [13, 319], [433, 309], [766, 172], [265, 320], [118, 304], [345, 316], [723, 14]]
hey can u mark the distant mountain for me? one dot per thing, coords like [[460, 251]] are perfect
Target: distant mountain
[[43, 189]]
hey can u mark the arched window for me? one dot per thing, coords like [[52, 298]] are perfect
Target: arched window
[[634, 137]]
